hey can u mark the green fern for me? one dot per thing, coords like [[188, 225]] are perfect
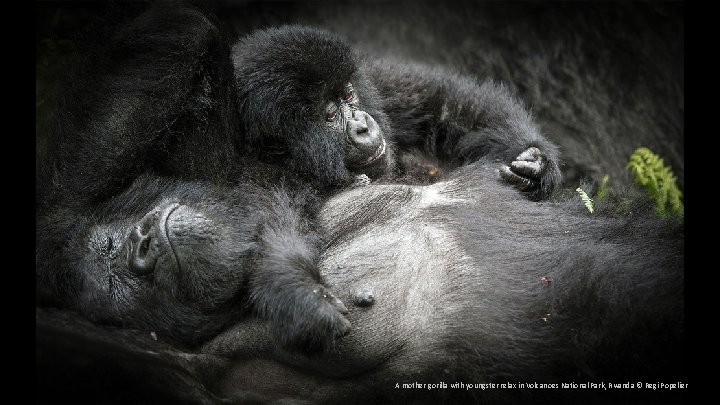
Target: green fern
[[603, 188], [586, 200], [659, 180]]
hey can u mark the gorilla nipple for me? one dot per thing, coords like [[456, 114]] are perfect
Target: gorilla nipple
[[363, 297]]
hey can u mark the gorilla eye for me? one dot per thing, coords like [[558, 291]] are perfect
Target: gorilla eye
[[104, 242], [331, 111]]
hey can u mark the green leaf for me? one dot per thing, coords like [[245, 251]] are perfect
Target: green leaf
[[659, 181], [586, 199]]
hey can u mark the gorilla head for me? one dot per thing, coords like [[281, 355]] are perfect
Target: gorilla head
[[304, 92], [160, 256], [185, 258]]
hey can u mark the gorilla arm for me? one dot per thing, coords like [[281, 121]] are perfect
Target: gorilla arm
[[286, 286], [144, 94], [457, 120]]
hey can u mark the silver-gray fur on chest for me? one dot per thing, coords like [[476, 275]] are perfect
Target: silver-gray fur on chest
[[400, 246]]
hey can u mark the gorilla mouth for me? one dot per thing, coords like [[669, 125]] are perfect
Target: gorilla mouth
[[379, 152]]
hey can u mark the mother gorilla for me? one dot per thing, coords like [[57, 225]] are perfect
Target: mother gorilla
[[467, 286]]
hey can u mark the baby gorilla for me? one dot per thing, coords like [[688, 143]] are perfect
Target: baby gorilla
[[184, 259], [309, 101]]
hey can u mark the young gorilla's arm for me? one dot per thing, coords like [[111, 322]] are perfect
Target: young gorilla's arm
[[457, 120]]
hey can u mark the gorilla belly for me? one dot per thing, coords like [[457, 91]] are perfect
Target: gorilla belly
[[410, 263]]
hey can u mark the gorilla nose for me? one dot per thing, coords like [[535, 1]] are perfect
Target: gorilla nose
[[144, 245], [145, 240], [362, 131]]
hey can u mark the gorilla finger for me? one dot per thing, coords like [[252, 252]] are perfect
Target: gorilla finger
[[335, 302], [527, 169], [337, 325], [339, 306], [344, 327], [529, 154], [521, 183], [360, 180], [508, 175]]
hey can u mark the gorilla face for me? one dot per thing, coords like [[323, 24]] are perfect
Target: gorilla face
[[173, 265], [305, 92], [175, 250], [365, 149]]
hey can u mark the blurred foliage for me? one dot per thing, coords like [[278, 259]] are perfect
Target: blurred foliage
[[603, 188], [650, 171]]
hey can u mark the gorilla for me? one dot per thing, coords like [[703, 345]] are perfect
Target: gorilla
[[470, 281], [308, 100], [601, 78]]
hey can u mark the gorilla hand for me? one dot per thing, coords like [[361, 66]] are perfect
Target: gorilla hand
[[303, 315], [317, 328], [360, 180], [532, 172]]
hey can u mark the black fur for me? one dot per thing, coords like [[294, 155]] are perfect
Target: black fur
[[146, 93], [601, 78]]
